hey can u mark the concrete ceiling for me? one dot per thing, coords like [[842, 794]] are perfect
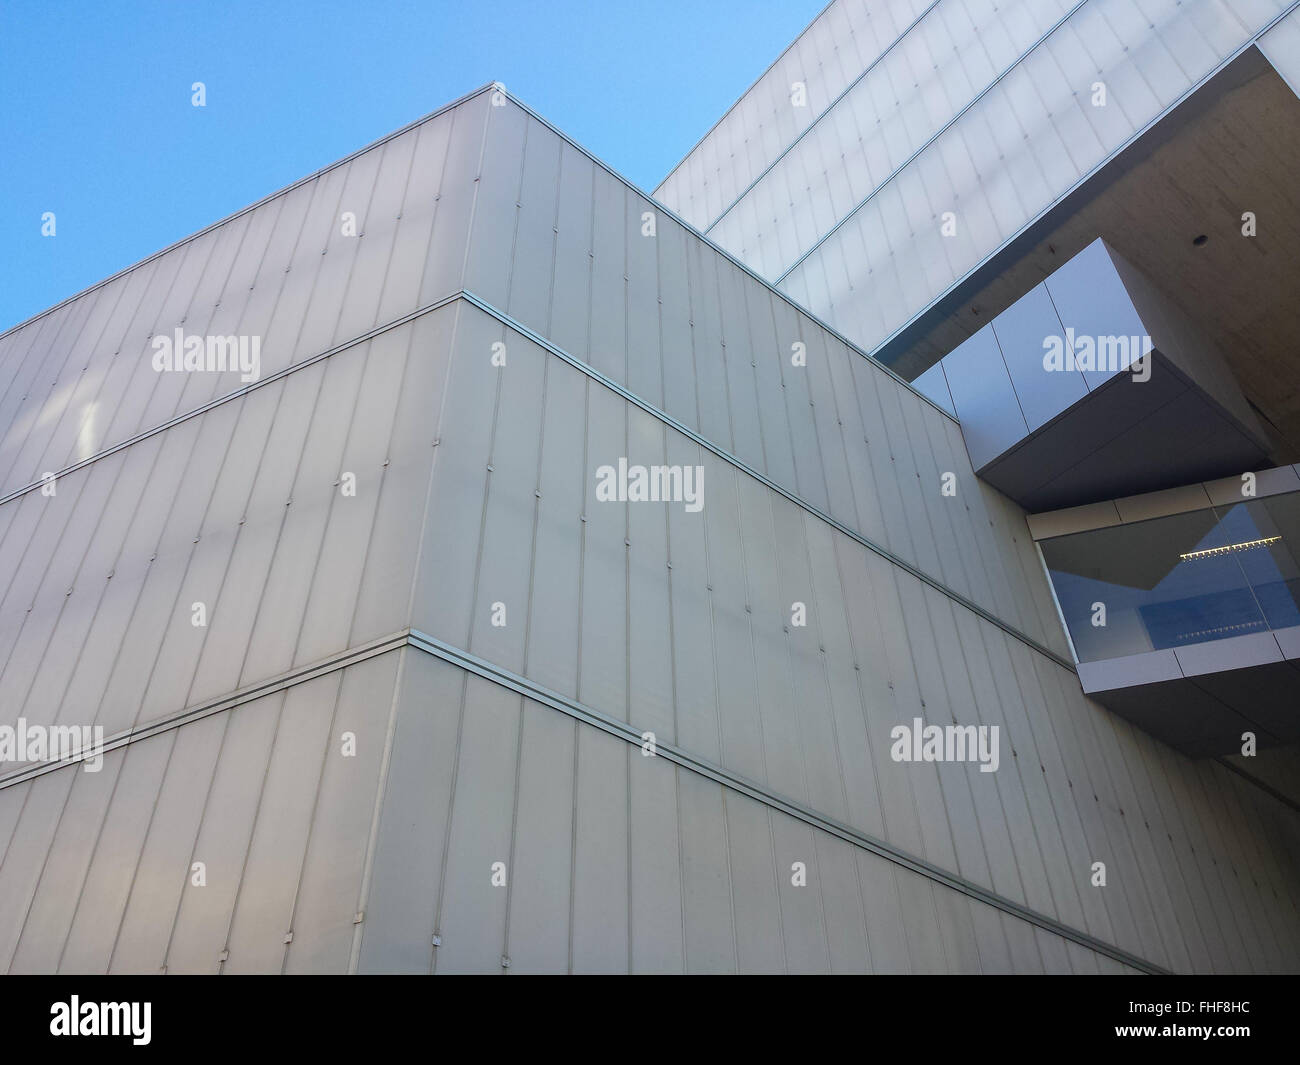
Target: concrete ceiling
[[1232, 147]]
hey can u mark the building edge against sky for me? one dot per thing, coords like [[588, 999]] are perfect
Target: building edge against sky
[[411, 732]]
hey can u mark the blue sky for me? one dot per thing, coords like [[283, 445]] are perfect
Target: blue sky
[[96, 123]]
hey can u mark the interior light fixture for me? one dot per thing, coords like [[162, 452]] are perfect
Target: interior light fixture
[[1227, 549]]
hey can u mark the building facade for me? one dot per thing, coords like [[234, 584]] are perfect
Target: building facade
[[474, 567]]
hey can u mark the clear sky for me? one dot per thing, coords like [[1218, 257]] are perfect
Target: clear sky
[[96, 122]]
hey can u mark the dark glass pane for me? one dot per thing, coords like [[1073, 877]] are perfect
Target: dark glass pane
[[1168, 582], [1266, 535]]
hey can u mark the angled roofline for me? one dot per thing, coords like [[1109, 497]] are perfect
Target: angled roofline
[[253, 206], [770, 67]]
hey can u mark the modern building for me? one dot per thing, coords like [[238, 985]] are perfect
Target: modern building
[[476, 564]]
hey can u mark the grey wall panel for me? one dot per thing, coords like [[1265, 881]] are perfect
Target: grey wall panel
[[600, 937], [303, 742], [544, 877], [557, 552], [472, 910], [40, 808], [200, 929], [505, 553], [112, 563], [330, 888], [287, 839], [602, 625], [649, 618], [106, 886], [444, 596], [161, 869], [262, 794], [405, 876], [757, 877]]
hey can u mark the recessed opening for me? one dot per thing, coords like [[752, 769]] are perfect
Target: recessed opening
[[1198, 241]]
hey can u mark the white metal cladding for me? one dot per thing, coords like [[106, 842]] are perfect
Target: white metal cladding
[[80, 378], [239, 509], [557, 244], [474, 481], [700, 654], [983, 110]]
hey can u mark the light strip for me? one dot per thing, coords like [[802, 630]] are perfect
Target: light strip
[[1211, 552]]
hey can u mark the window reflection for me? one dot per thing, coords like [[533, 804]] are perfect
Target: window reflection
[[1179, 580]]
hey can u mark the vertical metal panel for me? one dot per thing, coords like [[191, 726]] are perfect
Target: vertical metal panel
[[104, 892], [650, 674], [388, 576], [644, 342], [302, 745], [473, 909], [376, 229], [600, 857], [329, 889], [445, 585], [756, 877], [853, 742], [402, 901], [505, 553], [679, 360], [656, 923], [614, 241], [25, 856], [738, 709], [710, 940], [710, 369], [541, 885], [1022, 332], [444, 269], [569, 312], [747, 439], [416, 213], [602, 666], [327, 621], [803, 922], [496, 211], [202, 918], [770, 614], [562, 482]]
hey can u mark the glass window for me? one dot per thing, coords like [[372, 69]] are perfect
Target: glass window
[[1169, 582]]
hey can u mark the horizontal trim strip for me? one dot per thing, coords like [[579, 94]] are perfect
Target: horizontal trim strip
[[350, 657], [620, 729], [211, 404], [797, 307], [673, 423], [600, 378]]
